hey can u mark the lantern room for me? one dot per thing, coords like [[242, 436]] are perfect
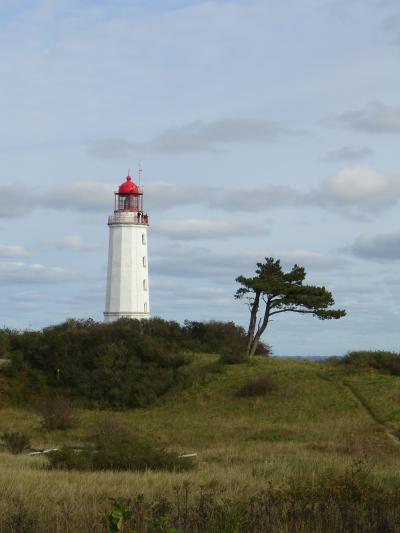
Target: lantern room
[[129, 197]]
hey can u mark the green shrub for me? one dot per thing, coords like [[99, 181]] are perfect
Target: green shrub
[[388, 362], [257, 386], [113, 447], [57, 413], [123, 364], [336, 504], [15, 441], [225, 338], [233, 359]]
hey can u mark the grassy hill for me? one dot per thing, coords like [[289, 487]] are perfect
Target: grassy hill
[[318, 422]]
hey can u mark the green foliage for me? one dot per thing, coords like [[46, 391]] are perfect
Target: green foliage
[[16, 441], [4, 343], [281, 292], [335, 503], [233, 359], [287, 292], [224, 338], [113, 447], [257, 386], [118, 517], [128, 363], [57, 413], [388, 362]]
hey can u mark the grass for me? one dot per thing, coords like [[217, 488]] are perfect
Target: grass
[[307, 427]]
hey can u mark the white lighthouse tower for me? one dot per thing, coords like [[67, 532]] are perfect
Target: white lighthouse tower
[[127, 275]]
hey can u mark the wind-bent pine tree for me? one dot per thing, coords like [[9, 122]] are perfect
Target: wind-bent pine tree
[[272, 291]]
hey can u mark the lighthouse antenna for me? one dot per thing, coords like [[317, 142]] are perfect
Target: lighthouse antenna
[[140, 173]]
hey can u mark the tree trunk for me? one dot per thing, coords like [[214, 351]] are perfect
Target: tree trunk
[[253, 319], [260, 330]]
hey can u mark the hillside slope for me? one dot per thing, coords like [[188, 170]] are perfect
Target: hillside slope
[[312, 424]]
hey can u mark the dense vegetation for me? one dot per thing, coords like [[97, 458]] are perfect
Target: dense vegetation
[[388, 362], [113, 446], [272, 292], [347, 503], [282, 445], [128, 363]]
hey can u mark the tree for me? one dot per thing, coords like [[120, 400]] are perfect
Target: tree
[[272, 291]]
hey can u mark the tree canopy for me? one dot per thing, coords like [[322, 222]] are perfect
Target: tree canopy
[[272, 291]]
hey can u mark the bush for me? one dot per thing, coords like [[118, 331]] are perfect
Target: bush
[[388, 362], [113, 447], [257, 386], [118, 365], [16, 441], [225, 338], [336, 504], [57, 413], [233, 359]]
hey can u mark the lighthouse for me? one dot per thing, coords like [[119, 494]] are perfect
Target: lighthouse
[[127, 275]]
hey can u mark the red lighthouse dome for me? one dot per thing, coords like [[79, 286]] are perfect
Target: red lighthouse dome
[[128, 187]]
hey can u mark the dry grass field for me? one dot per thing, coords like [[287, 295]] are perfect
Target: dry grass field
[[316, 422]]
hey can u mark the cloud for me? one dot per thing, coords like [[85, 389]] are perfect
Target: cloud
[[310, 260], [162, 196], [355, 189], [12, 251], [18, 272], [74, 243], [15, 200], [381, 246], [376, 117], [257, 199], [198, 136], [81, 196], [200, 262], [196, 228], [348, 154], [111, 148], [359, 189]]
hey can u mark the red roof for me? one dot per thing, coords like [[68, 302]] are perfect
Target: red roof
[[128, 187]]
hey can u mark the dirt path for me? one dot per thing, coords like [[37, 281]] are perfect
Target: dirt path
[[364, 405], [367, 408]]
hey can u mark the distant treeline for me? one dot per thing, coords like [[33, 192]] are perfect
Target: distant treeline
[[128, 363]]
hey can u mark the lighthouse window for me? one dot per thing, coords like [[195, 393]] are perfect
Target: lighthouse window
[[144, 261], [145, 285], [145, 308], [143, 238]]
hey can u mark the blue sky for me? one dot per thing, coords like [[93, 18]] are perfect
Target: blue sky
[[264, 128]]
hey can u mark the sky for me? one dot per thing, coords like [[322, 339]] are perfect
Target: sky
[[263, 128]]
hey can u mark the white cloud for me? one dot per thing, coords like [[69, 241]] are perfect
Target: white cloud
[[361, 188], [354, 189], [18, 272], [196, 228], [74, 243], [12, 251], [312, 261]]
